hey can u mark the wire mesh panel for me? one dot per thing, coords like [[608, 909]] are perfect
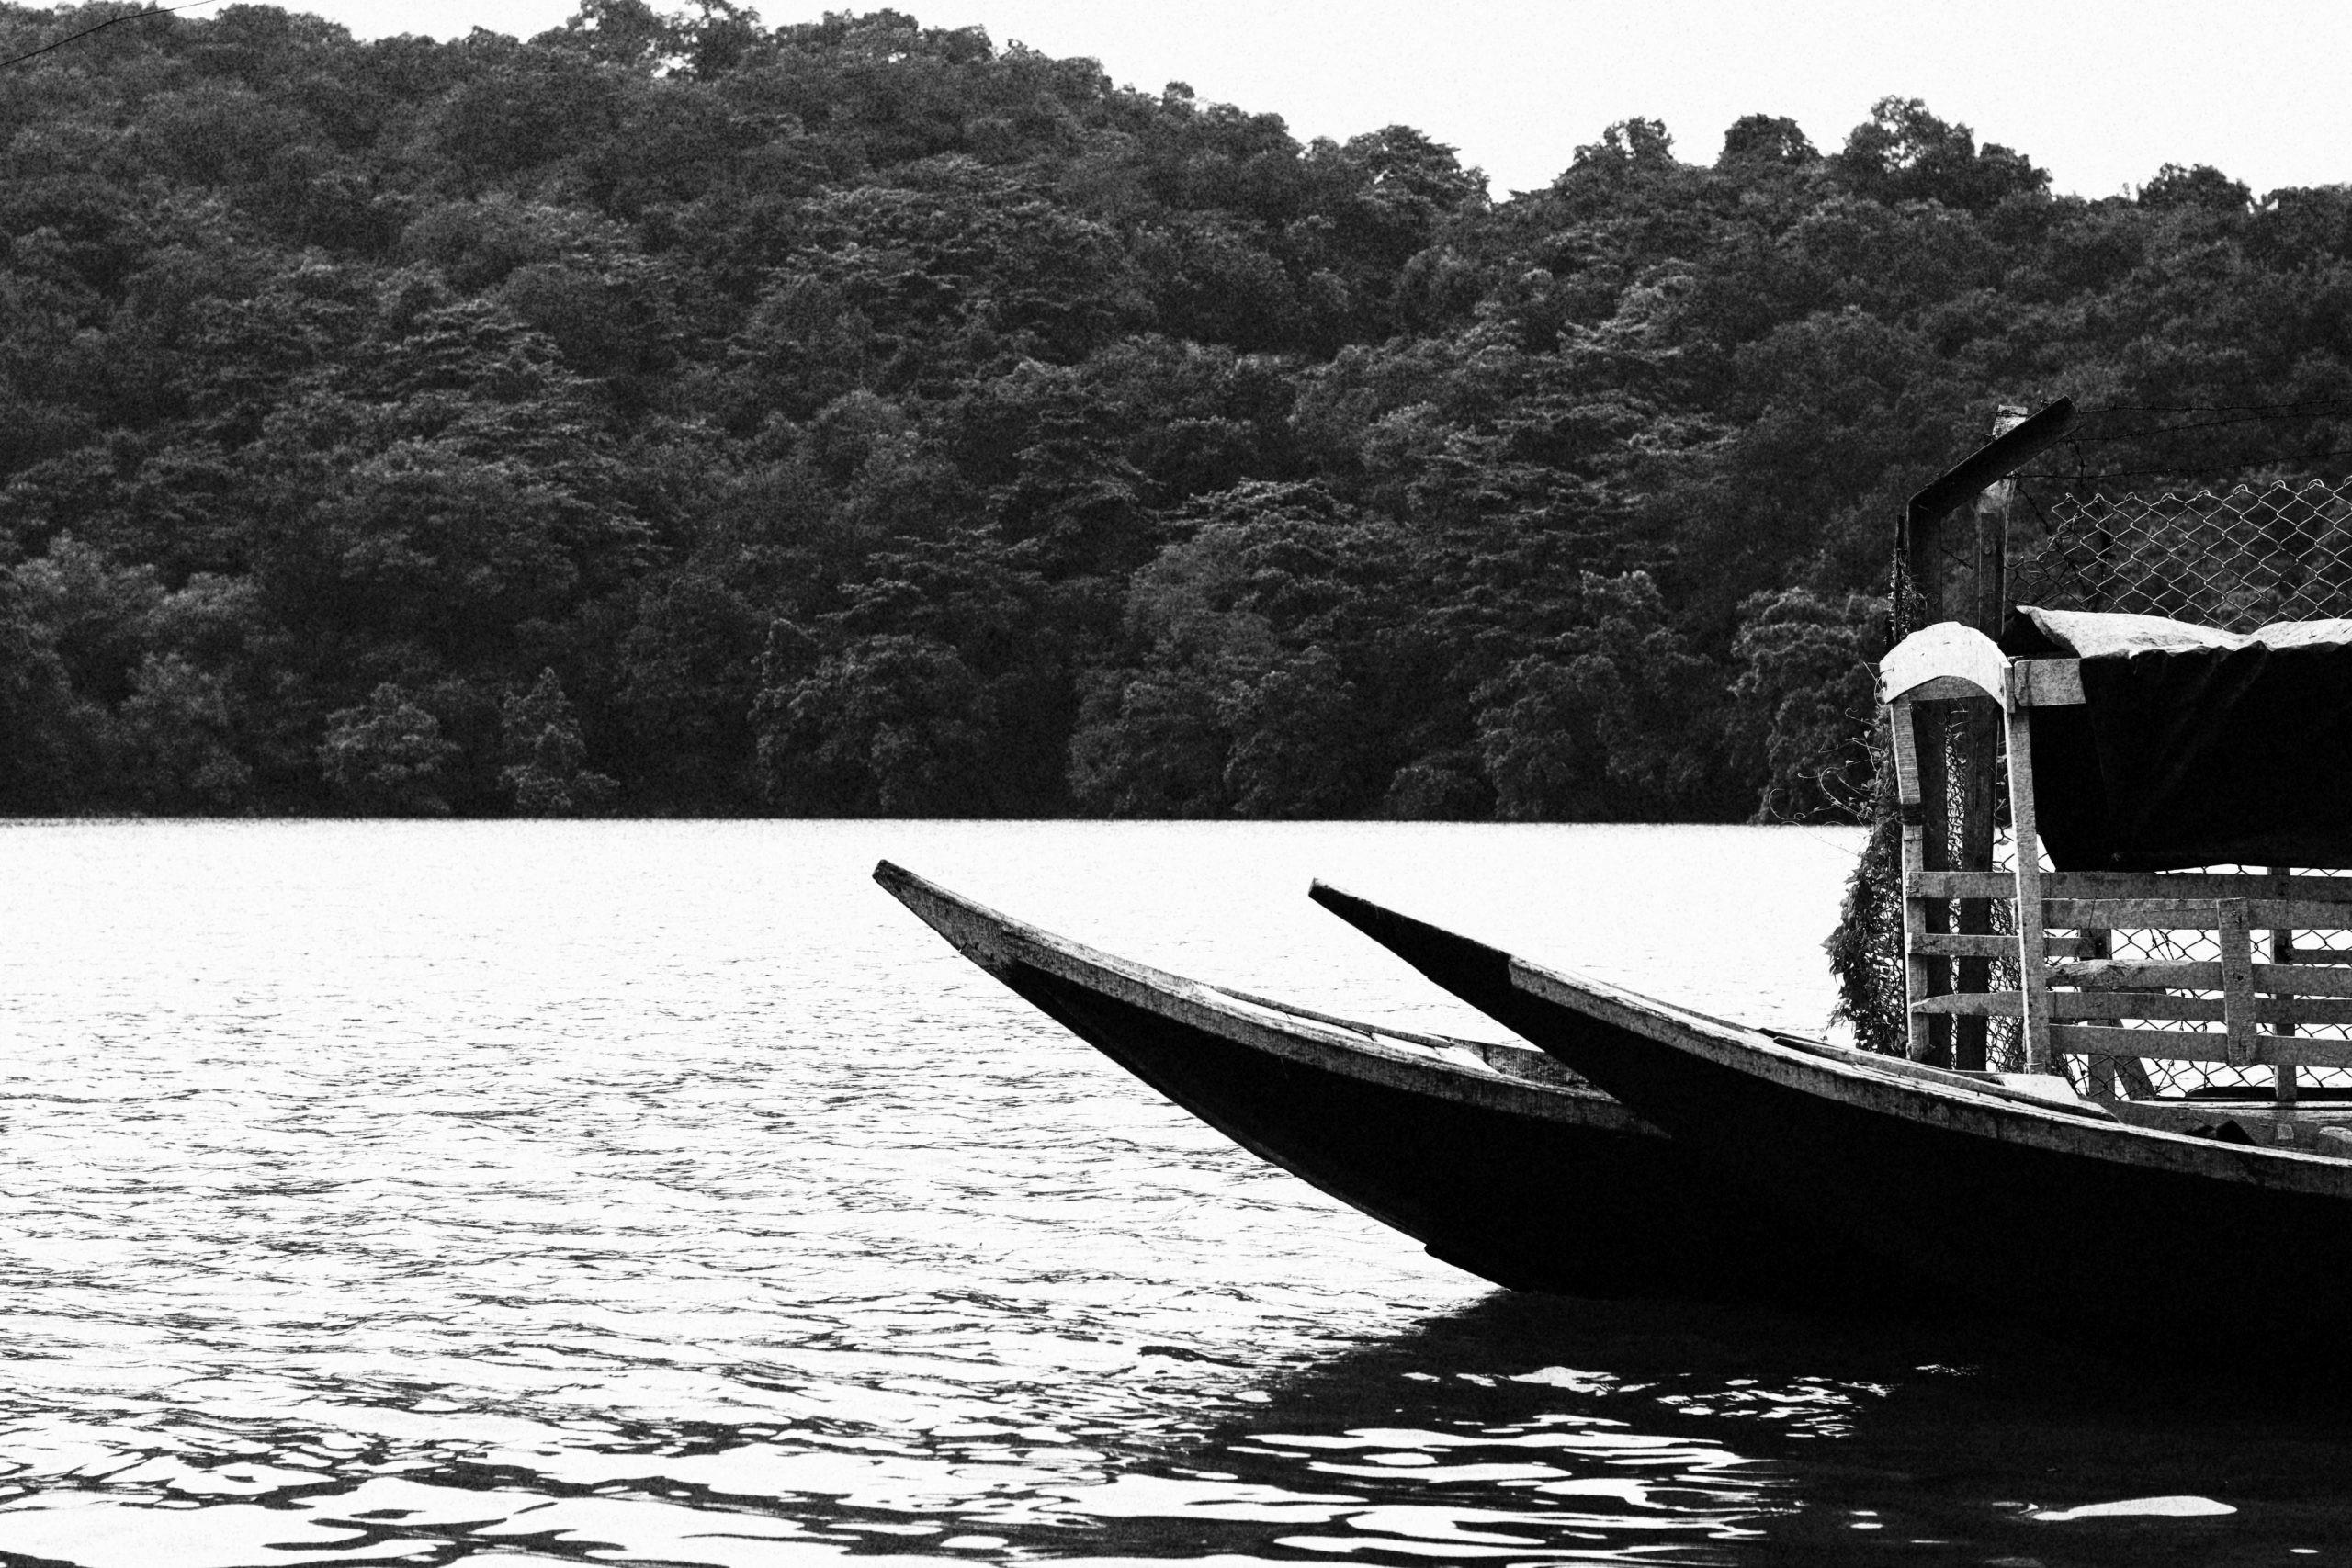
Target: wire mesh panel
[[2235, 558], [2203, 947]]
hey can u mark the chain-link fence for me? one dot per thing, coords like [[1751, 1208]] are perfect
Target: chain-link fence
[[2235, 558]]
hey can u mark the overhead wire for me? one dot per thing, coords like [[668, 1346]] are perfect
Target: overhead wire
[[2146, 431], [2208, 407], [111, 22], [2182, 470]]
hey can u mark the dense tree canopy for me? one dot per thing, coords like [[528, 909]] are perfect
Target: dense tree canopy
[[853, 417]]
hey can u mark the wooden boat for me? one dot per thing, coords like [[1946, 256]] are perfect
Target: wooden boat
[[2071, 1190], [1491, 1156]]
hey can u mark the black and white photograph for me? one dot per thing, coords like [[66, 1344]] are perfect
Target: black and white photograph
[[1232, 784]]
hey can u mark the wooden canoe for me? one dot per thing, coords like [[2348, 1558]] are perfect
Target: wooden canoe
[[1491, 1156], [2087, 1217]]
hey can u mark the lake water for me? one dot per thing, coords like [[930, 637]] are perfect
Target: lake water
[[664, 1193]]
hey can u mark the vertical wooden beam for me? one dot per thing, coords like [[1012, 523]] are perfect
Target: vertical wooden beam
[[2111, 1078], [1904, 738], [1926, 831], [1992, 559], [2033, 973], [2282, 950], [1930, 747], [2237, 980], [1979, 755], [1979, 736]]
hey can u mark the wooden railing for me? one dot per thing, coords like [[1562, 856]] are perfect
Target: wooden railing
[[2077, 1002], [2085, 999]]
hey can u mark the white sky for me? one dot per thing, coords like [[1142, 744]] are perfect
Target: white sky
[[2101, 92]]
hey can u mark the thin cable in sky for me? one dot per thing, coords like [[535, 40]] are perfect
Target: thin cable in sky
[[86, 32]]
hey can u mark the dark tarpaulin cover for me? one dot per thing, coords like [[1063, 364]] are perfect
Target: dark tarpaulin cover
[[2194, 746]]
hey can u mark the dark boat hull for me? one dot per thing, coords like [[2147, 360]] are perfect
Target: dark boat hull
[[1533, 1184], [2063, 1212]]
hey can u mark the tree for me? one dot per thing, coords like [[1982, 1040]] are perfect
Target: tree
[[173, 735], [1763, 141], [2203, 185], [891, 725], [386, 757], [1804, 705], [540, 738], [1904, 154], [45, 733], [1615, 720]]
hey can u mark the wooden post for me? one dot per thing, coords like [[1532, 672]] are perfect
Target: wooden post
[[2033, 974], [1993, 526], [2282, 950], [1918, 970], [1927, 571], [1980, 743], [2237, 980], [1930, 731], [1927, 825]]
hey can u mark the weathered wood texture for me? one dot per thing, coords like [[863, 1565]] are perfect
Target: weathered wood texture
[[2282, 954], [2139, 885], [2047, 683], [2146, 1004], [2076, 1005], [2026, 849], [2192, 1045]]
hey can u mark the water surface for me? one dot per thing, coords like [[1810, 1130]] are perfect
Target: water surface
[[664, 1193]]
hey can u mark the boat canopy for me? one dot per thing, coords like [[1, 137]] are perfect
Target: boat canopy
[[2192, 747]]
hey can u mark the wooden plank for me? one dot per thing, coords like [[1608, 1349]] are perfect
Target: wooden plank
[[2032, 976], [2188, 914], [2150, 1044], [2282, 956], [2263, 1011], [1973, 1004], [2047, 683], [2074, 1005], [2109, 1077], [1979, 761], [1960, 885], [1919, 977], [2191, 1045], [2259, 1117], [2136, 1004], [2170, 886], [2300, 914], [2128, 914], [1933, 1045], [1957, 945], [2237, 978], [1906, 760], [2136, 974], [2193, 885], [1920, 783]]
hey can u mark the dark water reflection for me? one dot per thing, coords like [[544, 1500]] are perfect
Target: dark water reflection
[[1509, 1431], [655, 1194]]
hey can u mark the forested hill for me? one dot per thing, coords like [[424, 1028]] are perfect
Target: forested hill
[[854, 418]]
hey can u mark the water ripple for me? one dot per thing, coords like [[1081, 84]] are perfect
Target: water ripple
[[662, 1193]]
